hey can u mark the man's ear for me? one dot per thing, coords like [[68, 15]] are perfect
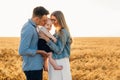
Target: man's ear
[[37, 18]]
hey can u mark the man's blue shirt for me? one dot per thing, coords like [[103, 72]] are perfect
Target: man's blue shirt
[[28, 47]]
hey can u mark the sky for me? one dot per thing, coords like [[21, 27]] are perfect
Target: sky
[[85, 18]]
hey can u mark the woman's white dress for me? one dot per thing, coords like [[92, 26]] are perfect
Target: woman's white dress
[[63, 74]]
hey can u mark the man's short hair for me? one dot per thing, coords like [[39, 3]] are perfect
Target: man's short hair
[[40, 11]]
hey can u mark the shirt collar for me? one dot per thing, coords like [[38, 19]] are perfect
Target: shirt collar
[[31, 22]]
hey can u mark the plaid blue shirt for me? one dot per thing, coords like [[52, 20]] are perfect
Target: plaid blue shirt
[[28, 47]]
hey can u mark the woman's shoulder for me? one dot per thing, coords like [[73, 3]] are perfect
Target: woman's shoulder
[[64, 31]]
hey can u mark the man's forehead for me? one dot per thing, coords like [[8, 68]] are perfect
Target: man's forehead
[[44, 17]]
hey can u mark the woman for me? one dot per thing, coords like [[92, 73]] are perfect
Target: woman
[[61, 49]]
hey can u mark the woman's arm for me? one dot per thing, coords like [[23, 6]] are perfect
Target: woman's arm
[[58, 48]]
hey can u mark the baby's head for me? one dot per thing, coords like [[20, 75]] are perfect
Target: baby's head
[[48, 24]]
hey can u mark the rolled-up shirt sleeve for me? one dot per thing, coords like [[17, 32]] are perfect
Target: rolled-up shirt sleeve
[[26, 37]]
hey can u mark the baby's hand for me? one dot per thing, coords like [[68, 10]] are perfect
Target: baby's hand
[[55, 40]]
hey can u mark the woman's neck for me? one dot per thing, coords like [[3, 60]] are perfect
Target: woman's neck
[[58, 28]]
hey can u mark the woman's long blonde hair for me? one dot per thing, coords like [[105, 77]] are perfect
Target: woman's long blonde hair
[[61, 21]]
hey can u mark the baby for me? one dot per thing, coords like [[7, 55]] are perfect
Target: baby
[[43, 46]]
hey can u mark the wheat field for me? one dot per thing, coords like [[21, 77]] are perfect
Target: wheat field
[[92, 58]]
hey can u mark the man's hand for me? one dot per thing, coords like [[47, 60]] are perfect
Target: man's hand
[[43, 53]]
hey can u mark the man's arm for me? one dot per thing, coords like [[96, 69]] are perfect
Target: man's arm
[[24, 48], [26, 36]]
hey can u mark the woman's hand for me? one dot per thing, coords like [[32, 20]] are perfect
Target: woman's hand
[[54, 40]]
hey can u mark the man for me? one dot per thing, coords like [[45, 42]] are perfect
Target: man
[[33, 58]]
